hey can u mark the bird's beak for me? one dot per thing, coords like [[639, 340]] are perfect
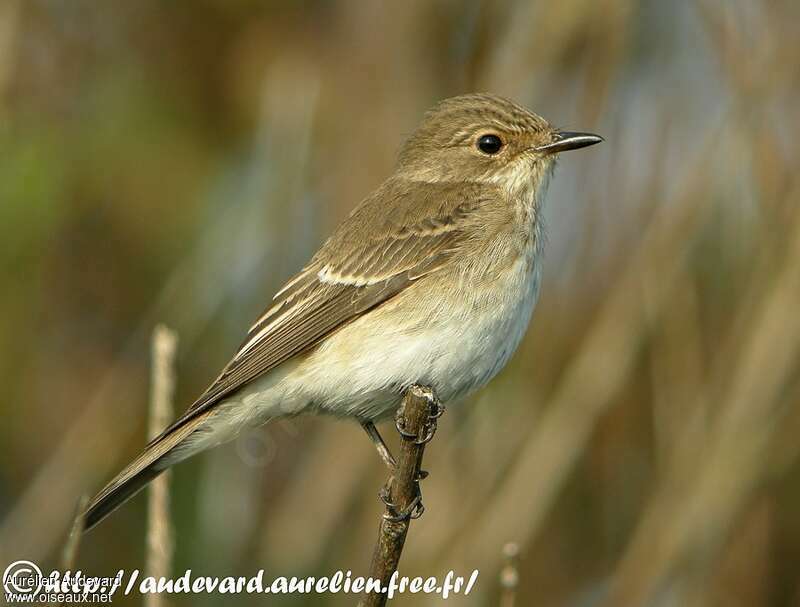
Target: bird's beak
[[567, 140]]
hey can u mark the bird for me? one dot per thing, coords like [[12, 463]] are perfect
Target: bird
[[431, 280]]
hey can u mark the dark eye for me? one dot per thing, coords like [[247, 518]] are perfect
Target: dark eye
[[489, 144]]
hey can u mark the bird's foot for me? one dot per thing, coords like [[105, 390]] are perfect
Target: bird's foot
[[395, 514], [436, 409]]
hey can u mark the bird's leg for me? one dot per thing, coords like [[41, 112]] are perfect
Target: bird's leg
[[377, 440]]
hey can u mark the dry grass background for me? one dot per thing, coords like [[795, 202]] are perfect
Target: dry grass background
[[176, 161]]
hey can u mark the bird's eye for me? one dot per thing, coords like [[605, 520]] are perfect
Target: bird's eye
[[489, 144]]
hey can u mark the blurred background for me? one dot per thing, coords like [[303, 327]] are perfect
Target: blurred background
[[175, 162]]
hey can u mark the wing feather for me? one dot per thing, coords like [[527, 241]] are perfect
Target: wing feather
[[369, 260]]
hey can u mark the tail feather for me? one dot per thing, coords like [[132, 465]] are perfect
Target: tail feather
[[155, 459]]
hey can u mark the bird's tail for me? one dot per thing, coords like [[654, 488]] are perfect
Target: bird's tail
[[159, 455]]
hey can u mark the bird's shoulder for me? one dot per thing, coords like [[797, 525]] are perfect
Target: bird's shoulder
[[407, 215]]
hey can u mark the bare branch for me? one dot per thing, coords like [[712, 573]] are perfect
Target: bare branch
[[70, 554], [160, 543], [416, 422]]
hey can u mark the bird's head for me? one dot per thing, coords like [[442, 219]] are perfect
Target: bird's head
[[486, 138]]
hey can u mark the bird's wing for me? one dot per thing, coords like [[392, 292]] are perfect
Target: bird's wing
[[376, 253]]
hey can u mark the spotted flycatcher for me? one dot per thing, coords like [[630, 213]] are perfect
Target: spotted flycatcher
[[431, 280]]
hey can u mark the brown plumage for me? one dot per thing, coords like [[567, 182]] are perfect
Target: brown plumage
[[454, 215]]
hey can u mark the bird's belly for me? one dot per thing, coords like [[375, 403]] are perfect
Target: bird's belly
[[363, 369]]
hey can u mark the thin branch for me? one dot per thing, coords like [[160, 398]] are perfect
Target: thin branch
[[160, 544], [416, 422], [69, 556]]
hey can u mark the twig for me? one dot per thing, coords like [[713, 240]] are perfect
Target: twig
[[69, 556], [416, 422], [509, 576], [160, 545]]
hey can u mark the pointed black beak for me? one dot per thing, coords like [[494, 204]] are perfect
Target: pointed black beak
[[567, 140]]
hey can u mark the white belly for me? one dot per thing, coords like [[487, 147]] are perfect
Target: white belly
[[363, 369]]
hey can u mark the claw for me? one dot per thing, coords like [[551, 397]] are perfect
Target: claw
[[436, 410], [400, 425], [412, 511], [383, 495], [430, 430]]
